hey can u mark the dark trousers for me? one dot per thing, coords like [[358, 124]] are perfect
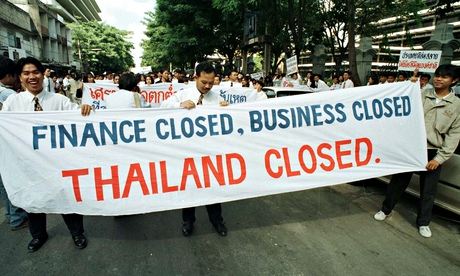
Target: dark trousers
[[37, 224], [428, 187], [214, 213]]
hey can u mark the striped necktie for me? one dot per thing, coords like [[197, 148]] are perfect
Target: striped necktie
[[37, 106], [200, 99]]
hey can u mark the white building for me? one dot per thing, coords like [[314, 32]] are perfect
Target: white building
[[38, 28]]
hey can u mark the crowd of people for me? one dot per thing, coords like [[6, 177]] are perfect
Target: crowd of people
[[40, 91], [316, 82]]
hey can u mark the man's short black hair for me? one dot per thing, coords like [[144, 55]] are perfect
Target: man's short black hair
[[7, 67], [205, 67], [402, 73], [448, 70], [391, 74], [128, 81], [261, 82], [29, 60], [231, 71], [425, 75]]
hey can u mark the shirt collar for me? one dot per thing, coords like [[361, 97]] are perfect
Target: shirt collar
[[40, 95], [447, 98], [6, 86]]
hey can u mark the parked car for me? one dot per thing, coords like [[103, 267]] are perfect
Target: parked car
[[275, 92], [448, 196]]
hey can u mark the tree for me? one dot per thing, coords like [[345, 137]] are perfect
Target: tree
[[229, 31], [180, 32], [291, 25], [357, 18], [101, 47], [302, 20], [335, 30]]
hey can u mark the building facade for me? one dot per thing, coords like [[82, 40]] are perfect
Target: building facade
[[395, 36], [38, 28]]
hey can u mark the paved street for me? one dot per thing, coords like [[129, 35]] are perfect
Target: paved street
[[326, 231]]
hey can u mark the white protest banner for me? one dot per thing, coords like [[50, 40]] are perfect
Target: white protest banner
[[155, 94], [230, 84], [94, 93], [235, 95], [291, 64], [145, 160], [104, 81], [424, 61]]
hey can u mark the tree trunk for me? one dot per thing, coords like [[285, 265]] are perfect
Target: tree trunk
[[351, 43]]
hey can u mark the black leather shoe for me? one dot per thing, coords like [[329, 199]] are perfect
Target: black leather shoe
[[80, 241], [35, 244], [220, 228], [187, 228]]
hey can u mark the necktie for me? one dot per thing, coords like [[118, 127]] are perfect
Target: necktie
[[200, 99], [231, 84], [49, 87], [37, 106]]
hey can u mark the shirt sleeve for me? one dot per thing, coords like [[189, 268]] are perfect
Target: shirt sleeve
[[173, 101], [6, 105], [66, 104], [451, 140]]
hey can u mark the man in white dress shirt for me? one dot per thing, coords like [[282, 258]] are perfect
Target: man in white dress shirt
[[190, 98], [48, 84], [35, 98], [347, 82], [126, 97], [232, 80]]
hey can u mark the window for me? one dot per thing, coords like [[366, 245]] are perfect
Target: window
[[18, 43], [14, 41], [11, 40]]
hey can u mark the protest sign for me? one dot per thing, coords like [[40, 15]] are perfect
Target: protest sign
[[146, 160], [155, 94], [257, 75], [291, 64], [424, 61], [235, 95], [94, 93]]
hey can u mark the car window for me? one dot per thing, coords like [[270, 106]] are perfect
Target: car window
[[290, 93]]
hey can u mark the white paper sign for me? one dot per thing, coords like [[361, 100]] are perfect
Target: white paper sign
[[424, 61], [291, 64]]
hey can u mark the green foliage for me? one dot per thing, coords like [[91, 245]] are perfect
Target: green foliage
[[101, 47], [180, 32]]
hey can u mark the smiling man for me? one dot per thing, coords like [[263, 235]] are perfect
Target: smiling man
[[35, 98]]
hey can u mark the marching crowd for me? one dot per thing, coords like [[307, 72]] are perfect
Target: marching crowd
[[42, 91]]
